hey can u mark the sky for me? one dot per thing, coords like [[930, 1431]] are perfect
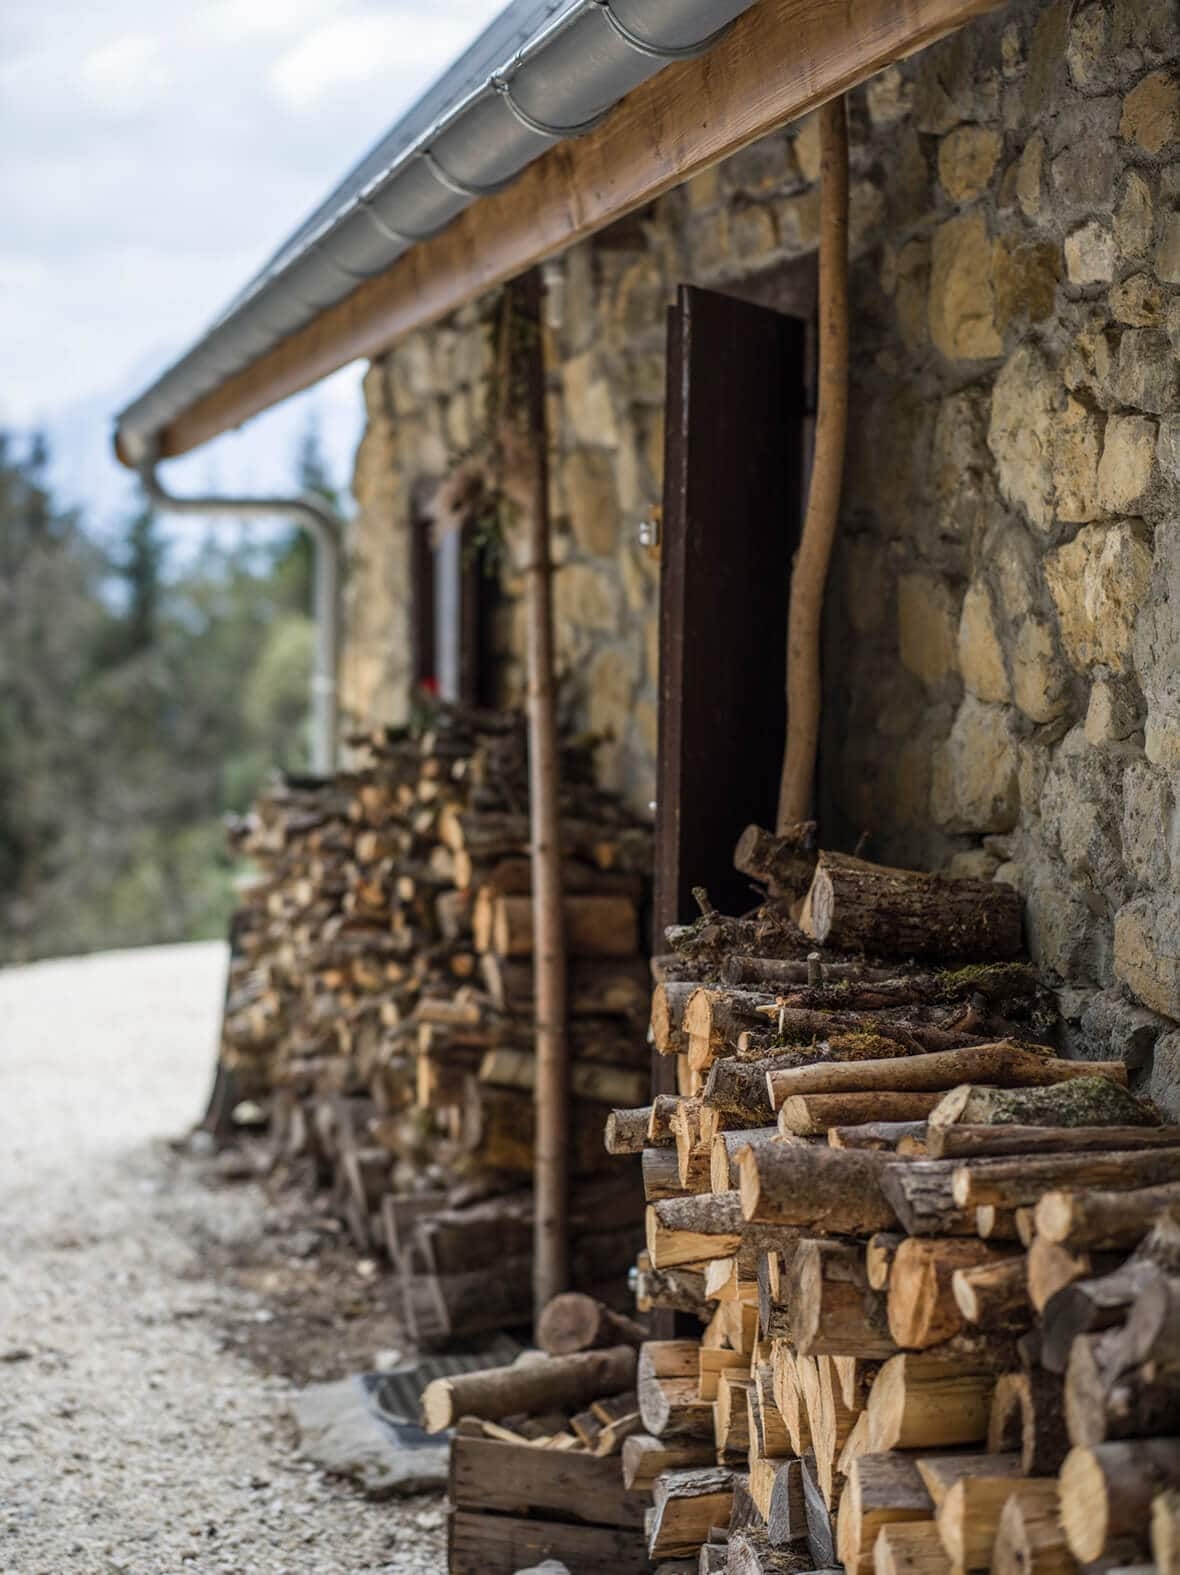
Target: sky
[[152, 157]]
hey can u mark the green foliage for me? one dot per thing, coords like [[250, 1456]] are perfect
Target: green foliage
[[137, 706]]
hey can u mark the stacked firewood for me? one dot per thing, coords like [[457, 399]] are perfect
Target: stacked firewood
[[381, 1000], [936, 1265], [535, 1456]]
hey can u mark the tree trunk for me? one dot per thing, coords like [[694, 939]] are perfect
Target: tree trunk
[[1107, 1492], [811, 1115], [825, 1191], [1084, 1102]]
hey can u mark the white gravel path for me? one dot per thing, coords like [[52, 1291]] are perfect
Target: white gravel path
[[131, 1439]]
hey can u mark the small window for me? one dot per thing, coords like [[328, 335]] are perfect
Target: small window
[[452, 601]]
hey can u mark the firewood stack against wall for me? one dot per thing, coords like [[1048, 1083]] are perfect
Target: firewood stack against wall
[[936, 1268], [382, 1003]]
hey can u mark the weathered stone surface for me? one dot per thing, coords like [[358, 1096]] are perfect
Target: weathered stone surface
[[1030, 172], [889, 96], [1128, 455], [1087, 53], [1064, 937], [1038, 677], [1149, 823], [1167, 257], [591, 500], [584, 596], [1098, 582], [926, 625], [1089, 254], [1113, 712], [981, 658], [1168, 447], [1081, 808], [975, 784], [962, 305], [1151, 112], [1024, 278], [1113, 1025], [1046, 444], [1164, 1084], [1147, 951], [1134, 219], [1137, 302], [587, 401], [1086, 162], [1146, 370], [967, 160]]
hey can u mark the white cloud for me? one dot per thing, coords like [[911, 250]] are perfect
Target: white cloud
[[125, 76]]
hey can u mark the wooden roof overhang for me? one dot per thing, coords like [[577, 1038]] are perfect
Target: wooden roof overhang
[[779, 60]]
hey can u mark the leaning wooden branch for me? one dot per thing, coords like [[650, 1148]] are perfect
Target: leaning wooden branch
[[810, 572]]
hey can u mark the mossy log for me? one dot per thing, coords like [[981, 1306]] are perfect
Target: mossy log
[[1082, 1102]]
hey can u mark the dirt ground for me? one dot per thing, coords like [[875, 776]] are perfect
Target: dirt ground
[[157, 1308]]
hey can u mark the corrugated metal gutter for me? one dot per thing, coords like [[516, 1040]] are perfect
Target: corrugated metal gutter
[[543, 71]]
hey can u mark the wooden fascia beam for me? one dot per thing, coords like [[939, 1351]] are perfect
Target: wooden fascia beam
[[780, 59]]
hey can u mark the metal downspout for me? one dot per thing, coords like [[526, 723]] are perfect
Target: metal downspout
[[326, 530]]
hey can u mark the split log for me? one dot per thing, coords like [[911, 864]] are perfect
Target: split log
[[715, 1015], [1105, 1221], [676, 1289], [1020, 1181], [921, 1304], [783, 864], [1085, 1101], [595, 927], [669, 1401], [910, 1548], [884, 1136], [1088, 1306], [644, 1457], [560, 1382], [928, 1402], [882, 1489], [660, 1168], [994, 1295], [786, 1522], [941, 1472], [576, 1322], [1005, 1063], [810, 1115], [629, 1132], [824, 1190], [972, 1142], [880, 1251], [1103, 1404], [750, 1552], [739, 1089], [821, 1530], [1029, 1539], [919, 1192], [684, 1506], [969, 1517], [1052, 1267], [723, 1167], [1107, 1492], [858, 906], [831, 1309], [1165, 1532], [668, 1003]]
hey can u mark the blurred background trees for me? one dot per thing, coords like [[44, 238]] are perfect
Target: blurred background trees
[[147, 687]]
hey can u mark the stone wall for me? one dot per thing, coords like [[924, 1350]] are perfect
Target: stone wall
[[1003, 686]]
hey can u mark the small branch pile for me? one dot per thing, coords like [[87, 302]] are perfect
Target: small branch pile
[[936, 1265], [382, 1002]]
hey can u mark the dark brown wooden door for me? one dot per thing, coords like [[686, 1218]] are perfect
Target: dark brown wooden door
[[736, 400]]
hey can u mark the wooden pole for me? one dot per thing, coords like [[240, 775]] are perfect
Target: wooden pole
[[810, 572], [551, 1257]]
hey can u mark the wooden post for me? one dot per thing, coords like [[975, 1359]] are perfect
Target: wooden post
[[805, 611], [551, 1264]]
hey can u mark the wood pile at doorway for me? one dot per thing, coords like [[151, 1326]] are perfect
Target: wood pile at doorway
[[382, 1005], [936, 1266]]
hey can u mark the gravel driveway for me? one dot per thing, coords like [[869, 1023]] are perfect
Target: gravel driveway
[[132, 1436]]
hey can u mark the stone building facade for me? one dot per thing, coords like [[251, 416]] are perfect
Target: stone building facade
[[1003, 628]]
